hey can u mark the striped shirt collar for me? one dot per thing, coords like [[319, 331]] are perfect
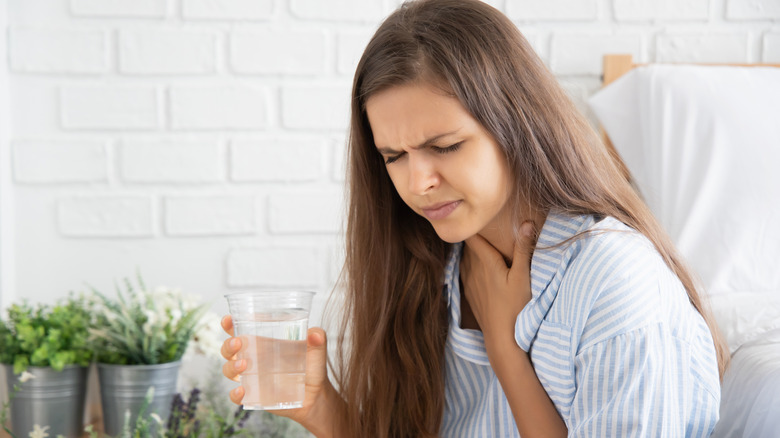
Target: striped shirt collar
[[546, 262]]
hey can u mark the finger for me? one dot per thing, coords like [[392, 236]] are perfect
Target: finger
[[524, 249], [227, 324], [236, 395], [528, 236], [316, 338], [316, 356], [230, 347], [484, 251], [233, 368]]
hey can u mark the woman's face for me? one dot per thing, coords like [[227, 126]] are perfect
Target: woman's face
[[442, 162]]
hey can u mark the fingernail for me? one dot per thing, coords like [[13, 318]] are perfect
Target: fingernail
[[238, 364], [234, 343]]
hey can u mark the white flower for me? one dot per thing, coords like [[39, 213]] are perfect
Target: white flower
[[175, 316], [156, 418], [26, 376], [206, 337], [151, 320], [39, 432], [190, 301]]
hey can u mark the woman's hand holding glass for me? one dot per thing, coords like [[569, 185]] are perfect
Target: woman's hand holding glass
[[321, 404]]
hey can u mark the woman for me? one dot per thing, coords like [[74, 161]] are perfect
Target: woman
[[460, 134]]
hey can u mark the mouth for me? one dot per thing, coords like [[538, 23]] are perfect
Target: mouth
[[441, 210]]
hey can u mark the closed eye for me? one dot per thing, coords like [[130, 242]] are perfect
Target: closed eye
[[438, 150], [394, 158], [448, 149]]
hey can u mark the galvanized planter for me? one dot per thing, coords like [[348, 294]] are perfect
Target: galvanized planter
[[52, 398], [123, 388]]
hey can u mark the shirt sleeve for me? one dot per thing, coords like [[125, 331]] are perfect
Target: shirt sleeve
[[629, 386]]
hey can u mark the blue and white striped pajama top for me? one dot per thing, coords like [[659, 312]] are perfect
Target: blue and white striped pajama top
[[611, 334]]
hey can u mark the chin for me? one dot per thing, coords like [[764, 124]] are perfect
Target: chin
[[450, 235]]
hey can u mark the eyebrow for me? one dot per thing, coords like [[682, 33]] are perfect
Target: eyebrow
[[426, 143]]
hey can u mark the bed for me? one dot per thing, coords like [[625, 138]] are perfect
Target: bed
[[701, 143]]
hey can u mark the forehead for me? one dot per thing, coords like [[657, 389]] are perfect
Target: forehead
[[408, 114]]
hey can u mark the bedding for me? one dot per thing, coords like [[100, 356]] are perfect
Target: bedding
[[749, 394]]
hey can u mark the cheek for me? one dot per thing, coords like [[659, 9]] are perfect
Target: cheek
[[484, 179], [492, 186]]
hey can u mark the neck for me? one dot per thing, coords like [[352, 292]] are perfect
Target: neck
[[501, 236]]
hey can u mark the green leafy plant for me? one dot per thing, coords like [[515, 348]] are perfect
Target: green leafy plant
[[45, 336], [144, 326]]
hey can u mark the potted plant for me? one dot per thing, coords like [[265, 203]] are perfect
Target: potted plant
[[140, 338], [46, 353], [208, 413]]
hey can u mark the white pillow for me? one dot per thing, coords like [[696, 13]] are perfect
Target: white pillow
[[703, 144]]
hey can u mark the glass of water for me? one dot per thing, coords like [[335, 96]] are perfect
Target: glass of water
[[272, 327]]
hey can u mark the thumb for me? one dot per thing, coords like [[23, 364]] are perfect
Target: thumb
[[316, 354], [316, 338], [524, 249]]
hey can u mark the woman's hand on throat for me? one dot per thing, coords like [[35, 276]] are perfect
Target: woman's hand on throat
[[495, 291]]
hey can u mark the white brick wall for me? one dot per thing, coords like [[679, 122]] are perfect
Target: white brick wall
[[113, 216], [643, 10], [350, 47], [581, 53], [210, 215], [277, 160], [303, 213], [167, 51], [171, 161], [52, 50], [274, 267], [279, 51], [342, 10], [119, 8], [204, 139], [772, 48], [527, 10], [218, 107], [703, 48], [60, 161], [315, 107], [109, 107], [227, 9], [752, 9]]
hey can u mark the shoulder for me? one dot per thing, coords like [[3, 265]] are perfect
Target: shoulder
[[610, 252], [615, 283]]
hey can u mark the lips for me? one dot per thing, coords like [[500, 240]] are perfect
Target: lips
[[441, 210]]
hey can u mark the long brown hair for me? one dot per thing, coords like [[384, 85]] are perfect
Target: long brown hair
[[391, 362]]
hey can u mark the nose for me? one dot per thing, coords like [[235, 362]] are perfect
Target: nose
[[423, 175]]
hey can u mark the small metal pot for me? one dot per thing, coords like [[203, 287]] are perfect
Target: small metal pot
[[52, 398], [123, 388]]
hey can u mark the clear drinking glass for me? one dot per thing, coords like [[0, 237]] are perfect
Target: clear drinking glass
[[272, 327]]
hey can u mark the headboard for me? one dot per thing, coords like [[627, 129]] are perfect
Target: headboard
[[615, 66]]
